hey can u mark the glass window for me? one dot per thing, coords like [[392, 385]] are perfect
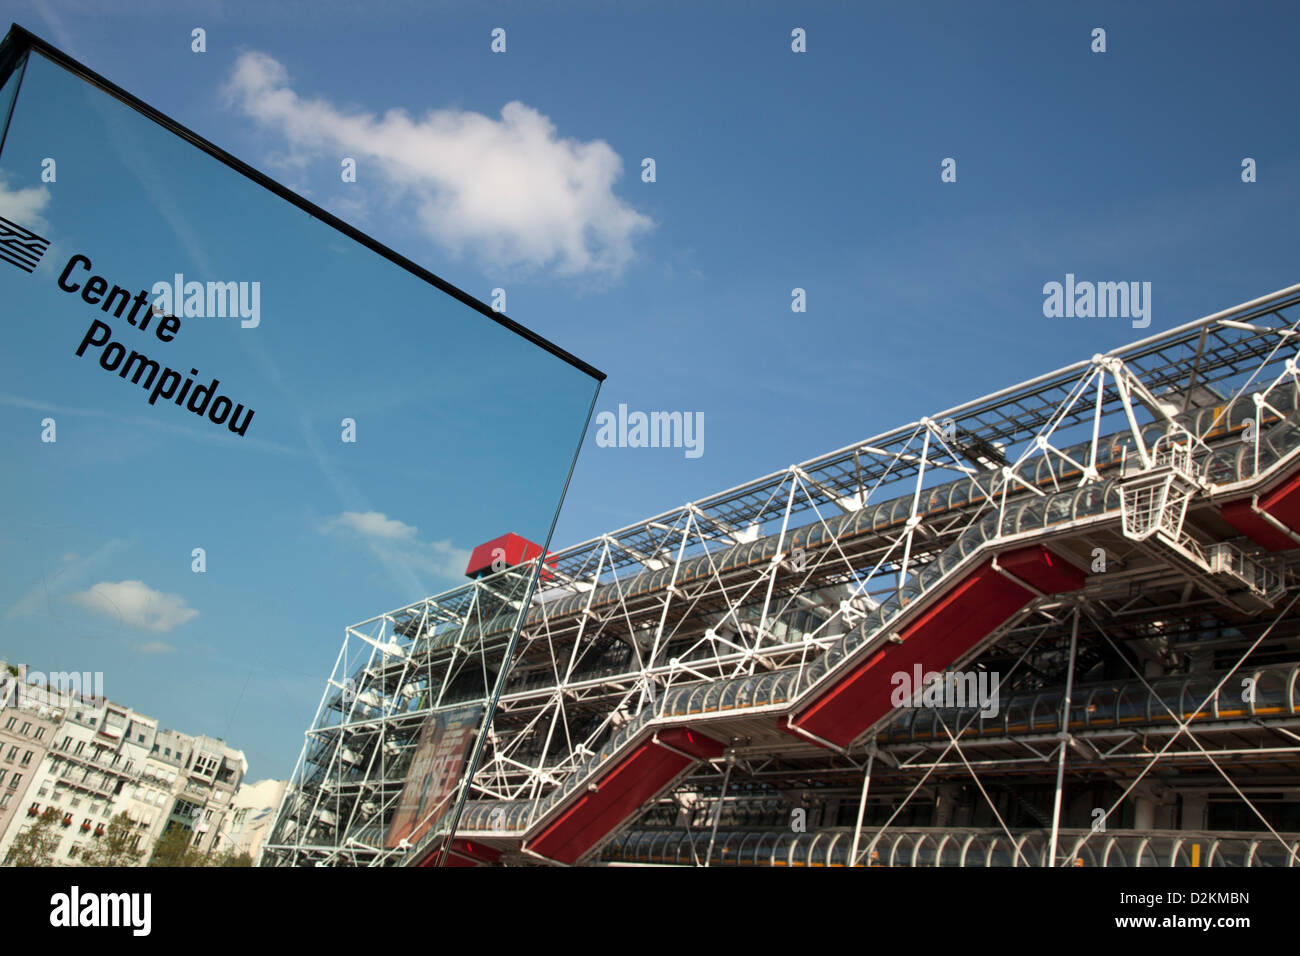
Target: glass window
[[317, 353]]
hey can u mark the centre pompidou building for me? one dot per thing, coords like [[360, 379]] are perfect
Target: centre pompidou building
[[1056, 625]]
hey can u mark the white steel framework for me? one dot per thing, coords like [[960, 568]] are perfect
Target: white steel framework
[[699, 651]]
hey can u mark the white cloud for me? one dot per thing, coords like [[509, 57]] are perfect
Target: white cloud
[[397, 545], [136, 604], [75, 570], [155, 647], [24, 206], [510, 190], [442, 559], [372, 524]]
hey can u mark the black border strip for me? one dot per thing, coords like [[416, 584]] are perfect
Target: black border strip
[[17, 68], [20, 40]]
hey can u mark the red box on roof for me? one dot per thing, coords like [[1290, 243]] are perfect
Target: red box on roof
[[510, 549]]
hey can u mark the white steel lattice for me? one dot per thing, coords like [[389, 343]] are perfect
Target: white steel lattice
[[737, 606]]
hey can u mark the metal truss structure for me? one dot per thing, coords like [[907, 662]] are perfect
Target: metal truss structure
[[1054, 626]]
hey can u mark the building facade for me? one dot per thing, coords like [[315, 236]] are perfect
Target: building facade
[[26, 732], [103, 759], [253, 811]]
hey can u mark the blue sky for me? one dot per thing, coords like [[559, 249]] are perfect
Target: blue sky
[[775, 170]]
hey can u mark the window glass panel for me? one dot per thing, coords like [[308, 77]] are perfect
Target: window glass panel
[[223, 366]]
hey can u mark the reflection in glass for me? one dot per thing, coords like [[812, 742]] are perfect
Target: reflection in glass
[[262, 426]]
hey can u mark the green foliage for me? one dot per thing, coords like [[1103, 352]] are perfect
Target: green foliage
[[117, 846], [231, 857], [174, 849], [35, 846]]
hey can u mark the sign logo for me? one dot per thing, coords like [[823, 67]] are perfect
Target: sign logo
[[20, 246]]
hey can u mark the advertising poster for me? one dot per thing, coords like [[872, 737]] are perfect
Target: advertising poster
[[430, 790]]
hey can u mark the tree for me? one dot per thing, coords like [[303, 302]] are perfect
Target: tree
[[35, 846], [173, 849], [117, 847], [231, 857]]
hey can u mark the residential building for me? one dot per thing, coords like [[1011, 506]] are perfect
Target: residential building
[[26, 730], [253, 812], [103, 759]]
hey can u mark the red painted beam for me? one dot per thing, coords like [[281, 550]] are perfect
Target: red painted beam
[[946, 630], [1042, 569], [474, 852], [620, 793], [1241, 516], [1283, 502], [463, 853], [692, 742]]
